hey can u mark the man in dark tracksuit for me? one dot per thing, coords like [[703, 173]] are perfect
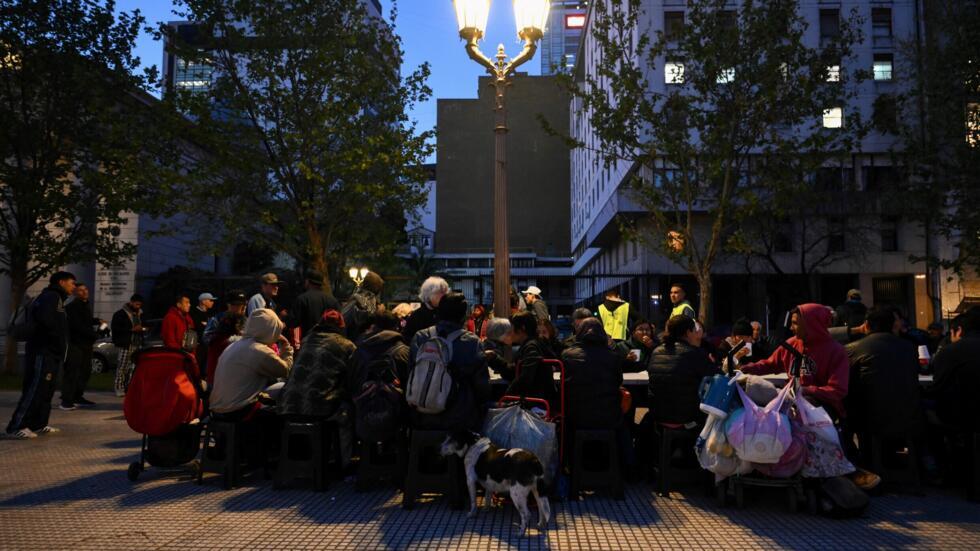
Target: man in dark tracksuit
[[46, 351], [81, 338]]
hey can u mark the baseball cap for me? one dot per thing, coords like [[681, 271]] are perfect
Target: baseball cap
[[206, 296], [236, 297], [270, 279], [532, 290]]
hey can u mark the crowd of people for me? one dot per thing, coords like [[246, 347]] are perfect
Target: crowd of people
[[263, 364]]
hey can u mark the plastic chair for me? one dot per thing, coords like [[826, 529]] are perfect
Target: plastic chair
[[223, 456]]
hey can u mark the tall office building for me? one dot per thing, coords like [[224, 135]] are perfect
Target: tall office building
[[559, 46]]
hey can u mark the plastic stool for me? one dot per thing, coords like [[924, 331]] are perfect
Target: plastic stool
[[793, 487], [909, 475], [376, 467], [448, 481], [582, 477], [292, 465], [669, 432], [223, 456]]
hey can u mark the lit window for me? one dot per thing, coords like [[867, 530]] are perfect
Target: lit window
[[575, 21], [727, 76], [883, 67], [833, 73], [833, 117], [674, 72], [973, 124]]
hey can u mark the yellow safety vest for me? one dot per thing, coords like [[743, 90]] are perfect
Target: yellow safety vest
[[615, 322], [683, 309]]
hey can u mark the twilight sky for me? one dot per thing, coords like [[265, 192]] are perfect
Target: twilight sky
[[428, 31]]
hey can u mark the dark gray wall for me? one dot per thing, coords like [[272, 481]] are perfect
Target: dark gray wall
[[537, 176]]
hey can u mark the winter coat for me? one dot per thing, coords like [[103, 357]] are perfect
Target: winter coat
[[957, 378], [883, 392], [200, 319], [422, 318], [175, 325], [374, 347], [247, 366], [361, 305], [540, 310], [852, 313], [477, 326], [51, 321], [318, 381], [825, 379], [308, 308], [467, 403], [122, 325], [534, 379], [623, 348], [593, 375], [675, 374], [81, 324]]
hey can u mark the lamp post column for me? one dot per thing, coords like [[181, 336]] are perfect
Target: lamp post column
[[501, 246]]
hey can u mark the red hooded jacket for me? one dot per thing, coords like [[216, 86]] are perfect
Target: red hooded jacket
[[827, 381], [174, 325]]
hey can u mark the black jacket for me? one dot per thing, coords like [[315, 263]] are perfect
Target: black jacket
[[540, 310], [623, 348], [883, 391], [956, 379], [534, 379], [593, 375], [675, 375], [374, 347], [51, 320], [422, 318], [122, 327], [200, 320], [361, 305], [81, 324], [852, 313], [318, 381], [468, 403], [308, 308]]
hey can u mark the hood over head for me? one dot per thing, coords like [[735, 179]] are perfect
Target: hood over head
[[611, 305], [590, 331], [382, 340], [264, 326], [816, 319]]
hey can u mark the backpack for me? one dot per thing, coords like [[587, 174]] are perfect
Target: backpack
[[838, 497], [22, 324], [377, 405], [430, 382]]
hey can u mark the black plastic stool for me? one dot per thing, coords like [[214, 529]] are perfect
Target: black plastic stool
[[292, 464], [585, 478], [907, 476], [448, 481], [793, 486], [223, 456], [668, 434], [376, 467]]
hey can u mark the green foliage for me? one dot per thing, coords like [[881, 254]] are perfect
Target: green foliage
[[739, 128], [77, 147], [310, 149]]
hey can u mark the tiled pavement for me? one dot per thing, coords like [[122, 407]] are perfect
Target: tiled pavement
[[69, 491]]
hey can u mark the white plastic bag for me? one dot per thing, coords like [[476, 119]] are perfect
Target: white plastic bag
[[515, 427], [816, 419]]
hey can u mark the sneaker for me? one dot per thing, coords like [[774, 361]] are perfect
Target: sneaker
[[84, 403], [67, 406], [22, 434], [48, 430], [866, 480], [120, 394]]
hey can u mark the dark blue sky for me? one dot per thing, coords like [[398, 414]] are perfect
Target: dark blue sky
[[428, 31]]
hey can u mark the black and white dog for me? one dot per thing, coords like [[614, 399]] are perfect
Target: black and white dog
[[515, 472]]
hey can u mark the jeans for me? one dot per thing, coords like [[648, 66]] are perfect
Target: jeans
[[34, 408]]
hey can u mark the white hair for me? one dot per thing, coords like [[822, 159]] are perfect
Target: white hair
[[497, 328], [431, 287]]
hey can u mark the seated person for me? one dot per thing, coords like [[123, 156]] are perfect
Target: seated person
[[883, 393], [548, 335], [533, 378], [825, 371], [742, 331], [957, 372], [593, 375], [228, 330], [467, 404], [577, 316], [500, 336], [643, 338], [381, 341], [676, 370], [317, 387]]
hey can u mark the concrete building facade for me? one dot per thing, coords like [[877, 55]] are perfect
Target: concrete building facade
[[559, 46]]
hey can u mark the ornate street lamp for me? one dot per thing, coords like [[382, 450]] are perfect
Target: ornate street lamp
[[358, 275], [530, 16]]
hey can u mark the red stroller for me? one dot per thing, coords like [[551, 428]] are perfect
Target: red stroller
[[163, 403]]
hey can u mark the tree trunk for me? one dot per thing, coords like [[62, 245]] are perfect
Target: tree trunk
[[18, 286], [704, 305], [318, 260]]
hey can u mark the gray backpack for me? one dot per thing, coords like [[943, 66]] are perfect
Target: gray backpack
[[430, 383]]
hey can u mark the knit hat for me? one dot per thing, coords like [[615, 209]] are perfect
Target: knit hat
[[373, 282]]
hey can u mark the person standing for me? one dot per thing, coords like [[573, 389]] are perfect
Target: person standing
[[535, 304], [308, 308], [235, 302], [852, 312], [614, 312], [681, 306], [431, 293], [127, 336], [201, 315], [363, 303], [46, 347], [81, 338], [266, 297], [477, 321], [177, 323]]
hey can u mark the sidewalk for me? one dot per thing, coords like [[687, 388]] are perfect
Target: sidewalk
[[69, 491]]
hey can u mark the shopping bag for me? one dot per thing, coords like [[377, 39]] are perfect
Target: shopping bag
[[759, 435], [514, 427], [714, 452], [816, 419]]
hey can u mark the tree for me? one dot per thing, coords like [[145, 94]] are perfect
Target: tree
[[742, 90], [77, 149], [311, 150], [940, 138]]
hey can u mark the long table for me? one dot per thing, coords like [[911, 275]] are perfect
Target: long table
[[641, 378]]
